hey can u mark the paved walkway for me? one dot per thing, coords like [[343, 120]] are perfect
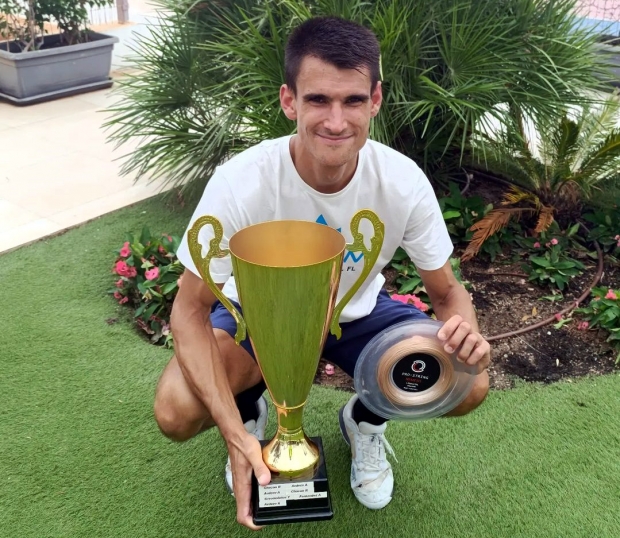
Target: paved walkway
[[56, 169]]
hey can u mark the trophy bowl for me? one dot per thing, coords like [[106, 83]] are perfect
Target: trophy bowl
[[404, 373]]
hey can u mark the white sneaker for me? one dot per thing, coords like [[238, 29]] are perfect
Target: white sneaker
[[372, 480], [257, 429]]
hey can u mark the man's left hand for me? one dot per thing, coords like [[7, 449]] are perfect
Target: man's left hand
[[471, 347]]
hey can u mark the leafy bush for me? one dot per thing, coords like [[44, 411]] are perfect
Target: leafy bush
[[24, 20], [409, 280], [550, 263], [148, 271], [606, 229], [460, 212], [208, 77], [603, 311], [577, 156]]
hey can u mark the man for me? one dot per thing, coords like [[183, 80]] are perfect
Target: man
[[324, 173]]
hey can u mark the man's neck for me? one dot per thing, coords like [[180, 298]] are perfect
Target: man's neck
[[324, 179]]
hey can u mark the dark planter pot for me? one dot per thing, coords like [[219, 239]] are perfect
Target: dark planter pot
[[55, 71]]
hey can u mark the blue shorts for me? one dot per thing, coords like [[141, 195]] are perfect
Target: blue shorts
[[345, 351]]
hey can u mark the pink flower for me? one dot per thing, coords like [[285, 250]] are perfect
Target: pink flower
[[123, 300], [329, 369], [125, 251], [119, 283], [617, 238], [537, 245], [131, 272], [583, 326], [117, 294], [554, 241], [152, 274], [169, 237], [121, 268], [411, 299], [161, 249], [611, 294], [419, 304], [558, 316]]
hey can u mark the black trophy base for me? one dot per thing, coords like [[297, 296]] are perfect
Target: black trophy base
[[293, 501]]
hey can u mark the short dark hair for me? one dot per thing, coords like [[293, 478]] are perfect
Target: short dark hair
[[340, 42]]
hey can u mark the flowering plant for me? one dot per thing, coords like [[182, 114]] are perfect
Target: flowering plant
[[411, 299], [603, 311], [549, 262], [147, 270], [605, 229]]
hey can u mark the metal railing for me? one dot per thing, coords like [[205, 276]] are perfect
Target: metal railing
[[118, 13]]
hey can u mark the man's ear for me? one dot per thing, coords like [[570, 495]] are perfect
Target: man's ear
[[287, 102], [376, 99]]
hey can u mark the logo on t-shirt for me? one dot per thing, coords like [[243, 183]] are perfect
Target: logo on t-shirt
[[349, 257]]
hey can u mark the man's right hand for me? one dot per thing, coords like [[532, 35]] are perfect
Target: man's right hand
[[246, 458]]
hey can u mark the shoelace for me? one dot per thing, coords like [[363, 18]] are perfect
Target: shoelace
[[370, 446]]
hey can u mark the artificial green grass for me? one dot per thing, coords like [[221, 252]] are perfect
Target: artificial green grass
[[80, 454]]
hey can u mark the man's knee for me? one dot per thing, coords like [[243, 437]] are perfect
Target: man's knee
[[178, 414], [476, 396], [170, 421]]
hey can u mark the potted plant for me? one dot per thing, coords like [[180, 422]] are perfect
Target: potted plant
[[38, 66]]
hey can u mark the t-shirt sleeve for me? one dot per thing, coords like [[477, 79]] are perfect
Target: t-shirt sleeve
[[426, 239], [217, 201]]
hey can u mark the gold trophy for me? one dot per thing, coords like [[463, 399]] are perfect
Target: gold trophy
[[287, 274]]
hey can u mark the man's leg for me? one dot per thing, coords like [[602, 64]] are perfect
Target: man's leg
[[180, 415], [476, 396], [371, 473]]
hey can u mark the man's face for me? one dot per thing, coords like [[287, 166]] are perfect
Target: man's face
[[333, 108]]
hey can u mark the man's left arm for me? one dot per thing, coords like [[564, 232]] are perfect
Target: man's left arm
[[452, 305]]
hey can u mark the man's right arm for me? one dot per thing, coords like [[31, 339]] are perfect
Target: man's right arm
[[199, 356], [200, 361]]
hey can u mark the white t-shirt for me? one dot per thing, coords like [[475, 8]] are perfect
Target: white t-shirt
[[262, 184]]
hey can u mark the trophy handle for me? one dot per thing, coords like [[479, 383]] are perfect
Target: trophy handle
[[202, 264], [370, 258]]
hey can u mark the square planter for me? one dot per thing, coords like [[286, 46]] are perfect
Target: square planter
[[55, 71]]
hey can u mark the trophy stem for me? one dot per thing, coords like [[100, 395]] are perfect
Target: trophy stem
[[291, 453]]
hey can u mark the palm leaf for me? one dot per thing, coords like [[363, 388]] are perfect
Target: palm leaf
[[488, 226], [207, 75], [545, 219], [600, 162], [516, 195]]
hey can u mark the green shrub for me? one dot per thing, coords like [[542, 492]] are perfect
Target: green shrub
[[209, 75], [23, 20], [147, 272], [606, 229], [460, 212], [577, 157], [409, 280], [603, 311], [550, 263]]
